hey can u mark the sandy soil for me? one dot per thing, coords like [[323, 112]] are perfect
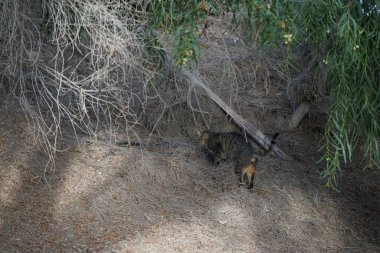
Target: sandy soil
[[105, 198]]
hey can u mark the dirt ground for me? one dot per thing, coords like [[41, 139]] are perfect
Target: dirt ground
[[106, 198]]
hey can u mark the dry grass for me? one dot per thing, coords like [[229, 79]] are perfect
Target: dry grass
[[104, 198]]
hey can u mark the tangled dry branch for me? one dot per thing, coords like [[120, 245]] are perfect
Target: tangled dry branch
[[77, 63]]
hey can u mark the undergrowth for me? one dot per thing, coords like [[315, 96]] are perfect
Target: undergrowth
[[76, 63], [86, 63], [343, 38]]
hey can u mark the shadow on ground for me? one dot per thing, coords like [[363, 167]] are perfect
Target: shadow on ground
[[102, 197]]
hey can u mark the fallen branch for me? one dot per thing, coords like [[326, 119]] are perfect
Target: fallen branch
[[299, 113], [258, 136]]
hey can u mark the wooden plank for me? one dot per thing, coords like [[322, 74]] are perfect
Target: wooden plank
[[256, 134]]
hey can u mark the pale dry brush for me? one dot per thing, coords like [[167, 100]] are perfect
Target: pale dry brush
[[78, 63]]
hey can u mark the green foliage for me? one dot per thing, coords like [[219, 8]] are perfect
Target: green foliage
[[345, 37], [183, 20], [355, 110]]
